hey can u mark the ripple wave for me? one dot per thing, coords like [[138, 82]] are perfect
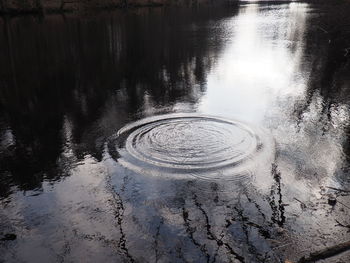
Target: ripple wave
[[189, 144]]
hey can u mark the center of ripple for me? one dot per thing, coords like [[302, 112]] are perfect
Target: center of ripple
[[183, 144], [191, 142]]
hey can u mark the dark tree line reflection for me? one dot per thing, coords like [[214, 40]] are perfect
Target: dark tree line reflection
[[95, 73], [328, 47], [327, 43]]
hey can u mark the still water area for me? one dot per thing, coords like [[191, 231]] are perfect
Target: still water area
[[198, 134]]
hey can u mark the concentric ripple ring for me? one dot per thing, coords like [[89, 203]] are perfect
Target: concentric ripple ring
[[187, 144]]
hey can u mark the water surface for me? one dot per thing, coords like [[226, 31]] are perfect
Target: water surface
[[175, 135]]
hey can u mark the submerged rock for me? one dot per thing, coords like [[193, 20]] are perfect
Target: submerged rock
[[8, 237]]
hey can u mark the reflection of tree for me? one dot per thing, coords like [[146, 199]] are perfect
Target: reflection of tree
[[327, 48], [234, 228], [95, 72], [327, 45]]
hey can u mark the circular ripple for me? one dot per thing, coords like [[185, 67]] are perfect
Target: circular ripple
[[189, 144]]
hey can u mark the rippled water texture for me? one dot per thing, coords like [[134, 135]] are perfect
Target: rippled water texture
[[195, 134], [189, 144]]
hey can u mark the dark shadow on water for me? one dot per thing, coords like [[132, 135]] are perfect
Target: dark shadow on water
[[73, 69], [328, 44]]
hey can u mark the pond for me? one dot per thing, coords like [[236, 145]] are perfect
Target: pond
[[202, 134]]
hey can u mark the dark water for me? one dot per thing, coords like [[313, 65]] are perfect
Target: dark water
[[175, 135]]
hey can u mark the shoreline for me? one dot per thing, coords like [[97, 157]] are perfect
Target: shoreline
[[60, 6], [43, 7]]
